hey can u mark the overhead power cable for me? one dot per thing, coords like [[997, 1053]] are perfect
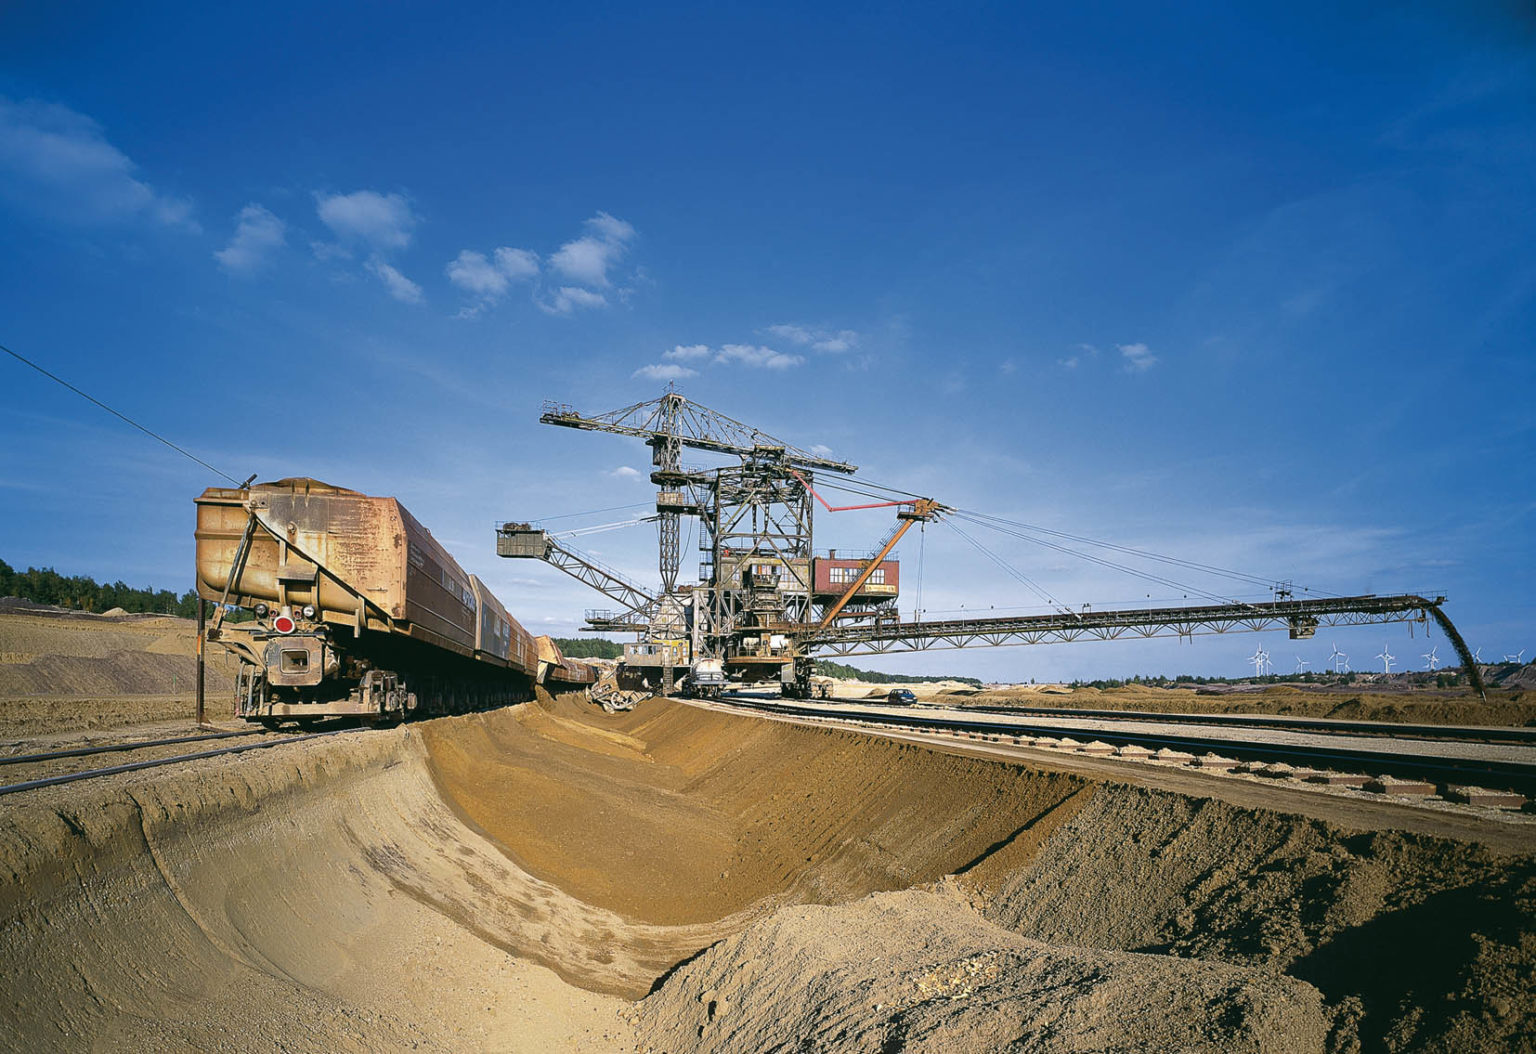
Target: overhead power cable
[[121, 416]]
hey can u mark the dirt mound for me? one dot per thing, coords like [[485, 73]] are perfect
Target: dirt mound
[[917, 971], [1402, 927], [1513, 676], [66, 670]]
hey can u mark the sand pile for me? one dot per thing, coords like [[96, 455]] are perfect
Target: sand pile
[[919, 971]]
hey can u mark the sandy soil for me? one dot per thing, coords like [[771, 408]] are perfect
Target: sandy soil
[[549, 877], [73, 670], [509, 880]]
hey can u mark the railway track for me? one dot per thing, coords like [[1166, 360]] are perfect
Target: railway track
[[1442, 764], [1326, 725], [150, 763], [133, 744]]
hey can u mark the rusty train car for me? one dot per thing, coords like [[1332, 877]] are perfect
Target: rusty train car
[[358, 610]]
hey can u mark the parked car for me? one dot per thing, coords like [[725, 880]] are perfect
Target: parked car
[[900, 695]]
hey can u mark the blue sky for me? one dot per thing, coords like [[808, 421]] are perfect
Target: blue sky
[[1252, 285]]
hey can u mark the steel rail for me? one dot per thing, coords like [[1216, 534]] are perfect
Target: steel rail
[[140, 744], [134, 766], [1443, 733], [1494, 774]]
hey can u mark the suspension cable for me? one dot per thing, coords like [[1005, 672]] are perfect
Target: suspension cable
[[999, 523], [1124, 568], [1009, 569], [593, 512]]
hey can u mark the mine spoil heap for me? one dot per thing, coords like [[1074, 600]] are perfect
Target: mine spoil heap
[[675, 878]]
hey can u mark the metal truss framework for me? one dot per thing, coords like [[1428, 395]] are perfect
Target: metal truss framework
[[667, 425], [760, 513], [756, 512], [1300, 617], [528, 542]]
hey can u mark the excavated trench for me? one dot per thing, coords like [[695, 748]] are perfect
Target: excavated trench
[[519, 879]]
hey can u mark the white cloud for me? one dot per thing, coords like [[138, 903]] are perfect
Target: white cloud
[[823, 340], [258, 235], [821, 450], [567, 298], [757, 357], [588, 259], [1081, 352], [58, 161], [664, 371], [612, 228], [517, 263], [329, 251], [471, 271], [488, 278], [625, 472], [687, 352], [399, 286], [1138, 357], [382, 221]]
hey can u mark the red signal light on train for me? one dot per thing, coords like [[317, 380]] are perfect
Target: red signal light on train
[[283, 624]]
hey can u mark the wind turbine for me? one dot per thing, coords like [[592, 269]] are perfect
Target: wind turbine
[[1258, 658], [1338, 659], [1386, 658], [1477, 657], [1430, 658], [1301, 664]]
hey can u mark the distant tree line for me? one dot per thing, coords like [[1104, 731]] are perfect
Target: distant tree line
[[589, 648], [828, 668], [44, 585]]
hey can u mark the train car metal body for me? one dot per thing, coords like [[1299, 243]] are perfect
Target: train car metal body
[[360, 611]]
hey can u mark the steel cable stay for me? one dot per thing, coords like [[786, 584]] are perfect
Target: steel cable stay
[[599, 528], [594, 512], [1123, 568], [864, 488], [1029, 532], [1010, 570], [999, 523]]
